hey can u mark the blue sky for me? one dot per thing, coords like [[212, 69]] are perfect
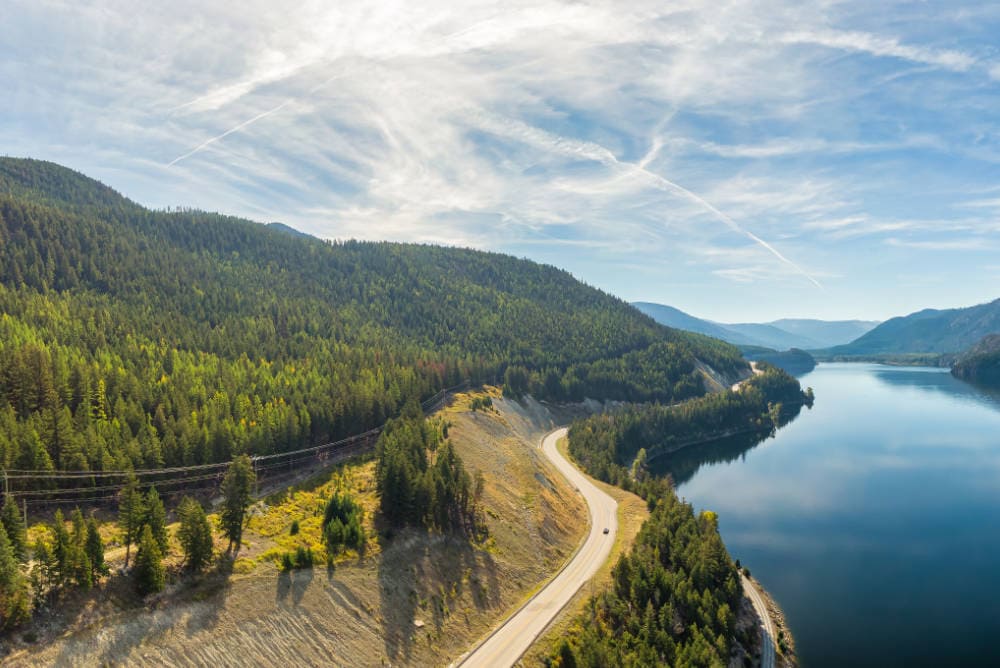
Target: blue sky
[[738, 160]]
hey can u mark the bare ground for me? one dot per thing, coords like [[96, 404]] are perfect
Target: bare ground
[[416, 599]]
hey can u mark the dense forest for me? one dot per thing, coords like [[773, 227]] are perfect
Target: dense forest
[[607, 445], [132, 338], [673, 598]]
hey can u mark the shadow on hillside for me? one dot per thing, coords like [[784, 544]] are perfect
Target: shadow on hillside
[[421, 578], [148, 618]]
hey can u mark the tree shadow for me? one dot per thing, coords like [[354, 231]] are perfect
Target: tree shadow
[[420, 573]]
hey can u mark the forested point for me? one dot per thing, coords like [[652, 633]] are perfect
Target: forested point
[[675, 596], [607, 445], [672, 601], [132, 338]]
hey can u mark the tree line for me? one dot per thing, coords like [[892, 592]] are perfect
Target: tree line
[[606, 445]]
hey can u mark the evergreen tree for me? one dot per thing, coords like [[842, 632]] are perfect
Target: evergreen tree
[[62, 550], [237, 488], [15, 603], [131, 513], [150, 575], [95, 549], [13, 522], [156, 519], [79, 562], [194, 534]]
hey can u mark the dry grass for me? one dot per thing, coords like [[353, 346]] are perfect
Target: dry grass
[[418, 599]]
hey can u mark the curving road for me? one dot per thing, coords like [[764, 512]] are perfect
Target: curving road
[[505, 645], [767, 632]]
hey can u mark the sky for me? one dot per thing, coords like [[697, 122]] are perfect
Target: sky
[[742, 161]]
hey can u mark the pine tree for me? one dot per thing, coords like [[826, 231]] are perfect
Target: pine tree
[[236, 490], [61, 550], [156, 519], [13, 522], [131, 513], [15, 603], [95, 549], [150, 575], [79, 563], [194, 534]]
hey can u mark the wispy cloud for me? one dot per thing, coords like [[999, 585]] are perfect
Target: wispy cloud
[[706, 141]]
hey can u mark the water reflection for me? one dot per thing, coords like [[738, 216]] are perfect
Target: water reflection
[[683, 464], [938, 381]]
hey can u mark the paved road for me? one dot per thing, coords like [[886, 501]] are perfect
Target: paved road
[[768, 635], [505, 645]]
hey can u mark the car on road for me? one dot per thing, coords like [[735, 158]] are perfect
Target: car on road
[[607, 530]]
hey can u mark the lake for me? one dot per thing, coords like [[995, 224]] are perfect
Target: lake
[[873, 519]]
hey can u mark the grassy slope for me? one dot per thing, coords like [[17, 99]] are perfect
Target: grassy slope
[[362, 613]]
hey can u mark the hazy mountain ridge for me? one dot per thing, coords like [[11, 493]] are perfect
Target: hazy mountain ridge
[[927, 331], [784, 334]]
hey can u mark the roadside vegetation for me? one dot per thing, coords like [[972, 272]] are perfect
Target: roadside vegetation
[[674, 598]]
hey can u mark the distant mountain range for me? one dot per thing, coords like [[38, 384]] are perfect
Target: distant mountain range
[[927, 331], [782, 334]]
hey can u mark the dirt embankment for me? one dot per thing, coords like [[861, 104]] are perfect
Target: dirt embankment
[[417, 599]]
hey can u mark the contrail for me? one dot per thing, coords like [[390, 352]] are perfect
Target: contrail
[[732, 224], [228, 132], [244, 124], [593, 151]]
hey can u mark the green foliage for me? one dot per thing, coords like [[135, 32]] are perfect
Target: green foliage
[[156, 518], [416, 488], [672, 596], [131, 514], [607, 445], [13, 523], [237, 490], [302, 558], [194, 534], [94, 548], [342, 525], [150, 574], [135, 339], [15, 601], [294, 530]]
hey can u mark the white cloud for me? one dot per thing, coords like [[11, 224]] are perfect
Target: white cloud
[[656, 130]]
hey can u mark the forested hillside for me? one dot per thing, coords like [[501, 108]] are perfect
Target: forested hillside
[[136, 338], [927, 331], [981, 363]]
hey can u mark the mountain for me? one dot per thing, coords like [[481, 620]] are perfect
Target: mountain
[[769, 336], [778, 335], [672, 317], [927, 331], [139, 338], [825, 333]]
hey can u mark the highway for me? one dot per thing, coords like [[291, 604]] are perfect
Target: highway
[[767, 632], [505, 644]]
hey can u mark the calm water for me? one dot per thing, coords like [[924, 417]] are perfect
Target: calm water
[[874, 518]]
